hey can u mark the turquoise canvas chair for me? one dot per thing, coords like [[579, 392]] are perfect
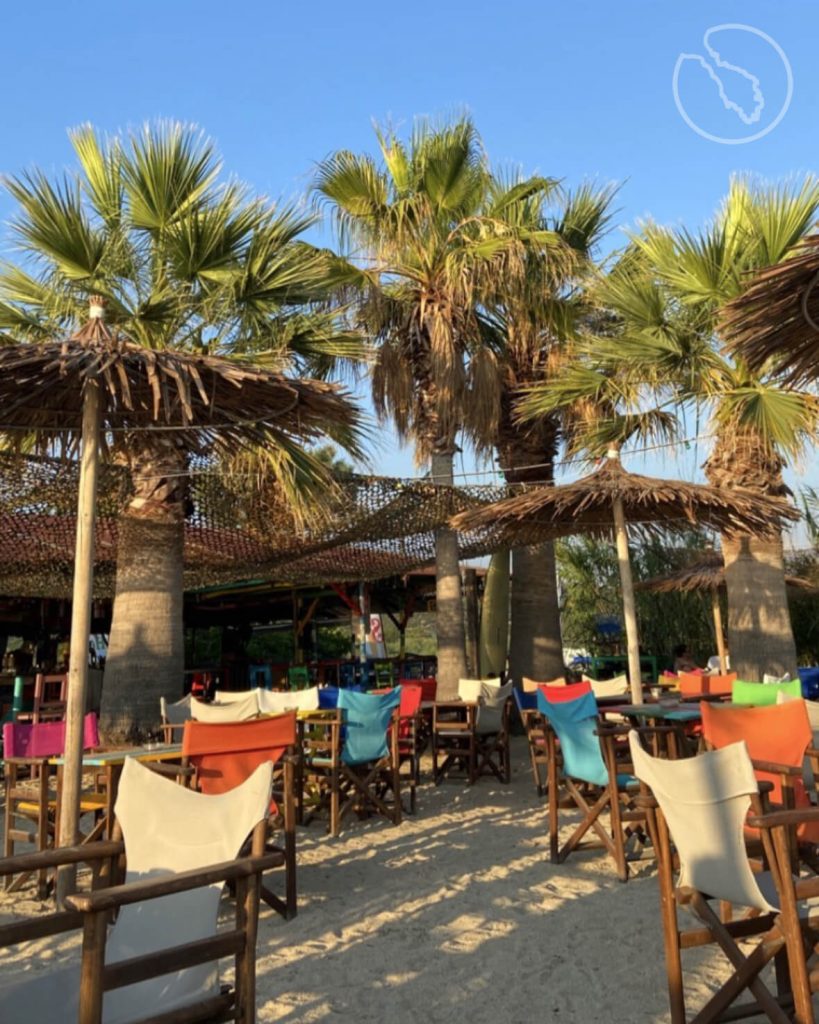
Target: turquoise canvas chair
[[585, 765], [763, 694], [369, 763]]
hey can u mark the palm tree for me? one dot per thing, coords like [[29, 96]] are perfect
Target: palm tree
[[422, 250], [529, 325], [664, 297], [183, 262]]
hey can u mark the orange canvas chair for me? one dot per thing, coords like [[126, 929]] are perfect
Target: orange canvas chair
[[692, 684], [777, 737], [224, 754], [721, 685]]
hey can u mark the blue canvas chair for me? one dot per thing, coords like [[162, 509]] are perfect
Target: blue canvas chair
[[591, 776], [369, 763], [534, 727]]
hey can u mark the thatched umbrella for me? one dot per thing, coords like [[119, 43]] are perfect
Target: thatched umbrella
[[708, 574], [602, 503], [104, 385], [778, 315]]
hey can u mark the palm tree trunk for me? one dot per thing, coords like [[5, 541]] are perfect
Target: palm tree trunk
[[536, 645], [449, 617], [146, 648], [760, 638]]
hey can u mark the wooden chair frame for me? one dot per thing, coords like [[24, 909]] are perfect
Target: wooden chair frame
[[453, 739], [722, 931], [626, 819], [92, 912], [534, 726], [286, 778], [492, 754], [343, 788]]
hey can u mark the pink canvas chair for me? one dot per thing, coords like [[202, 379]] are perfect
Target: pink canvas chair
[[30, 795]]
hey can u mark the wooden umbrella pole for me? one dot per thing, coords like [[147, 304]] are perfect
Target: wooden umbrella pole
[[80, 633], [715, 607], [629, 610]]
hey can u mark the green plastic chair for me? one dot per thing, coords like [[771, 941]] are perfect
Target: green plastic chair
[[763, 694], [298, 677]]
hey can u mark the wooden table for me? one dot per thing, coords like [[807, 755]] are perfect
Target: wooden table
[[108, 765]]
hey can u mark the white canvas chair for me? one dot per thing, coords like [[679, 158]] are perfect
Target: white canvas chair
[[615, 687], [174, 717], [701, 805], [235, 711], [161, 954], [234, 696], [273, 702]]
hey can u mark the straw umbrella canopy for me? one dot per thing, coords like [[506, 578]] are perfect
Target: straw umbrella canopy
[[605, 501], [101, 384], [777, 316], [708, 574]]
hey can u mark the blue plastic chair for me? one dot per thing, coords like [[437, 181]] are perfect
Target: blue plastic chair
[[260, 675], [369, 754], [574, 725]]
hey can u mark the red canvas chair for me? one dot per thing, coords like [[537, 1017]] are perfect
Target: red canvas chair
[[777, 737], [409, 736], [557, 693], [224, 754], [30, 794]]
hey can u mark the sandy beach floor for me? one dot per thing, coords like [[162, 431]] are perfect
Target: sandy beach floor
[[455, 915]]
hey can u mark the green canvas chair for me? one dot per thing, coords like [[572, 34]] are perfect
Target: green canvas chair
[[763, 694]]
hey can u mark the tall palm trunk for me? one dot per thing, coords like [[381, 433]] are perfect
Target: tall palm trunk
[[760, 637], [449, 617], [146, 649], [536, 644]]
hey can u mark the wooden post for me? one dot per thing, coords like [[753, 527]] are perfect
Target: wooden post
[[629, 610], [471, 621], [715, 607], [80, 632]]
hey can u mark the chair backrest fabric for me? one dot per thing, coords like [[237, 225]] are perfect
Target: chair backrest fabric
[[705, 800], [763, 694], [235, 711], [273, 702], [45, 739], [411, 697], [811, 707], [720, 685], [531, 685], [491, 698], [366, 718], [226, 753], [556, 694], [526, 700], [170, 829], [234, 696], [608, 687], [177, 713], [779, 733], [575, 723], [692, 684], [429, 687]]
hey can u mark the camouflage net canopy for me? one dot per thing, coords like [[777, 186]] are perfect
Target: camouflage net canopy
[[374, 528]]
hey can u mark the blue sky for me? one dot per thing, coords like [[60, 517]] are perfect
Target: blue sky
[[573, 89]]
